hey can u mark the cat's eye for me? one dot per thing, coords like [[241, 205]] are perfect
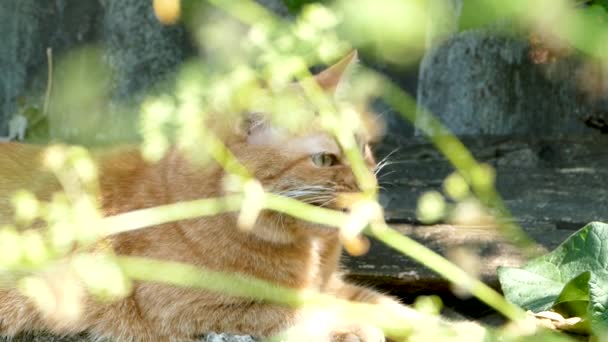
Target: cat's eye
[[324, 159]]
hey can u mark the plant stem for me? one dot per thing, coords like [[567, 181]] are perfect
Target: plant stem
[[446, 269], [394, 323], [304, 211], [462, 160], [142, 218]]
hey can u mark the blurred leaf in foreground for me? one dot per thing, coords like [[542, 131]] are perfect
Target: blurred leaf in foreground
[[393, 29]]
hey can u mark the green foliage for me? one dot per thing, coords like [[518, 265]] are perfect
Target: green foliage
[[580, 24], [601, 3], [570, 278], [38, 125], [263, 48], [295, 6]]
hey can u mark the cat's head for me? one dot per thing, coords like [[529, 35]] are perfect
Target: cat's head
[[305, 163]]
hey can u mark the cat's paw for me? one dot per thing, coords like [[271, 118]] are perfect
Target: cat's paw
[[357, 333]]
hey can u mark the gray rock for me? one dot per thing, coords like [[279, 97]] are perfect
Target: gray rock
[[140, 49], [47, 337], [479, 82], [276, 6], [28, 28], [137, 53], [213, 337]]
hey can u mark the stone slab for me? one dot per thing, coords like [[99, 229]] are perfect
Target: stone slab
[[481, 82]]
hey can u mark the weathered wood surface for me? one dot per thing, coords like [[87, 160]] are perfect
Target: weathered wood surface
[[552, 187], [384, 266]]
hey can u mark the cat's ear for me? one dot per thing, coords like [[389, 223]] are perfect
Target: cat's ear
[[330, 78]]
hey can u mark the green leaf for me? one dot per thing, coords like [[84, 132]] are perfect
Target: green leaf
[[576, 289], [573, 301], [571, 276], [598, 298], [38, 131], [529, 290]]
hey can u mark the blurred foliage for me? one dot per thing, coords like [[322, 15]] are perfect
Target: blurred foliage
[[82, 85], [295, 6], [251, 61], [601, 3]]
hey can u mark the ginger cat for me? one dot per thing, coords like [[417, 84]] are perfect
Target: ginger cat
[[285, 251]]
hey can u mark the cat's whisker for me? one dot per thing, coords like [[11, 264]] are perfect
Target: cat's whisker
[[387, 184], [309, 187], [379, 168], [311, 198], [296, 193], [386, 174], [384, 162], [381, 164], [308, 191], [317, 199], [324, 204], [385, 158], [395, 150]]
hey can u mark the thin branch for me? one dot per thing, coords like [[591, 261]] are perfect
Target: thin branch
[[49, 81]]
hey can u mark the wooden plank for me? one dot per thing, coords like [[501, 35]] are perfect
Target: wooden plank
[[552, 187], [383, 265], [561, 182]]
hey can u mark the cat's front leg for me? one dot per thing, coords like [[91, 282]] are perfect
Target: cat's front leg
[[305, 324], [389, 304], [356, 293]]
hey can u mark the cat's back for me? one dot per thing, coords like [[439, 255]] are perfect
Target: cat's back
[[22, 167], [18, 155]]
